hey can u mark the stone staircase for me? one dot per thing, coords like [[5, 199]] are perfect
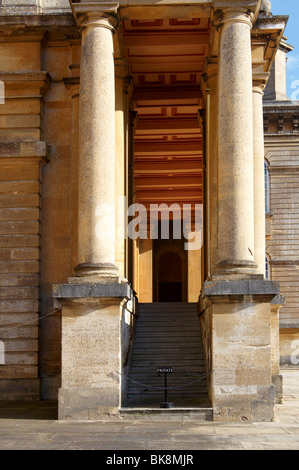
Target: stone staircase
[[167, 335]]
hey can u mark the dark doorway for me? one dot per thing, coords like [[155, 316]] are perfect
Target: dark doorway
[[170, 278], [170, 292], [169, 271]]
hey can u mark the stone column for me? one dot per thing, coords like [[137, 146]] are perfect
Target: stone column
[[96, 212], [235, 188], [259, 82]]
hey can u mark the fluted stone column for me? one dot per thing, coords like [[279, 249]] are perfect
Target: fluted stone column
[[235, 189], [259, 82], [96, 212]]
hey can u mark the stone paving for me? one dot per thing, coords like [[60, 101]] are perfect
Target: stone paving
[[34, 426]]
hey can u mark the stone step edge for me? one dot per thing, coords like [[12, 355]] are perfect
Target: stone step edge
[[157, 413]]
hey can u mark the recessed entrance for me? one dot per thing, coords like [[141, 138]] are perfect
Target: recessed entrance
[[166, 57], [170, 268], [170, 283]]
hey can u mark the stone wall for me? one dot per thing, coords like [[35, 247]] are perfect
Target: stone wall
[[282, 154]]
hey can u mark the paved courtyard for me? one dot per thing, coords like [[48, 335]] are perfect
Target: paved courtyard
[[34, 426]]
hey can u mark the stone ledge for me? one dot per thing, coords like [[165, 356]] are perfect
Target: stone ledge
[[25, 150], [250, 287], [88, 290], [289, 324]]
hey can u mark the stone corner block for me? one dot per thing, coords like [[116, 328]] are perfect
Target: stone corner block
[[241, 287], [98, 290]]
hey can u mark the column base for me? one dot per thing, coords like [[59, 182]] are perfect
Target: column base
[[228, 267], [97, 271], [236, 324]]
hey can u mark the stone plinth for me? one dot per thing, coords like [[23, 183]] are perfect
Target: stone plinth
[[237, 318], [94, 318]]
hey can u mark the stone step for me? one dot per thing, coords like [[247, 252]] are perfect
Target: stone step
[[141, 392], [171, 414]]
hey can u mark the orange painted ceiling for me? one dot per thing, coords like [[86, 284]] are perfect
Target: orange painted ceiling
[[166, 59]]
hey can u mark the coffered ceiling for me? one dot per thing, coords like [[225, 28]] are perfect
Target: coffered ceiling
[[166, 61]]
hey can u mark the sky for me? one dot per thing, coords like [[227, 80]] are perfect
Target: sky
[[291, 9]]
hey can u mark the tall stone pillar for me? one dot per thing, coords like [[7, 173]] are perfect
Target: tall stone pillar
[[235, 189], [97, 305], [96, 211], [236, 302], [259, 83]]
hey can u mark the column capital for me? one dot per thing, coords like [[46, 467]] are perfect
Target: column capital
[[94, 15], [73, 84], [234, 15], [259, 82], [238, 15]]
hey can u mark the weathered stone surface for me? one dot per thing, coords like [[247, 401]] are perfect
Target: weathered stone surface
[[239, 342], [252, 287], [99, 290], [91, 361]]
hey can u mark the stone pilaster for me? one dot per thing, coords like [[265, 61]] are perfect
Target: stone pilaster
[[235, 127], [73, 84], [259, 83], [211, 166]]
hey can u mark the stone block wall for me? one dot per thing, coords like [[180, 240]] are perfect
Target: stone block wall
[[35, 129], [20, 266]]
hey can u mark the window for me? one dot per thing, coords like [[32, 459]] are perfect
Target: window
[[267, 267], [267, 187]]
